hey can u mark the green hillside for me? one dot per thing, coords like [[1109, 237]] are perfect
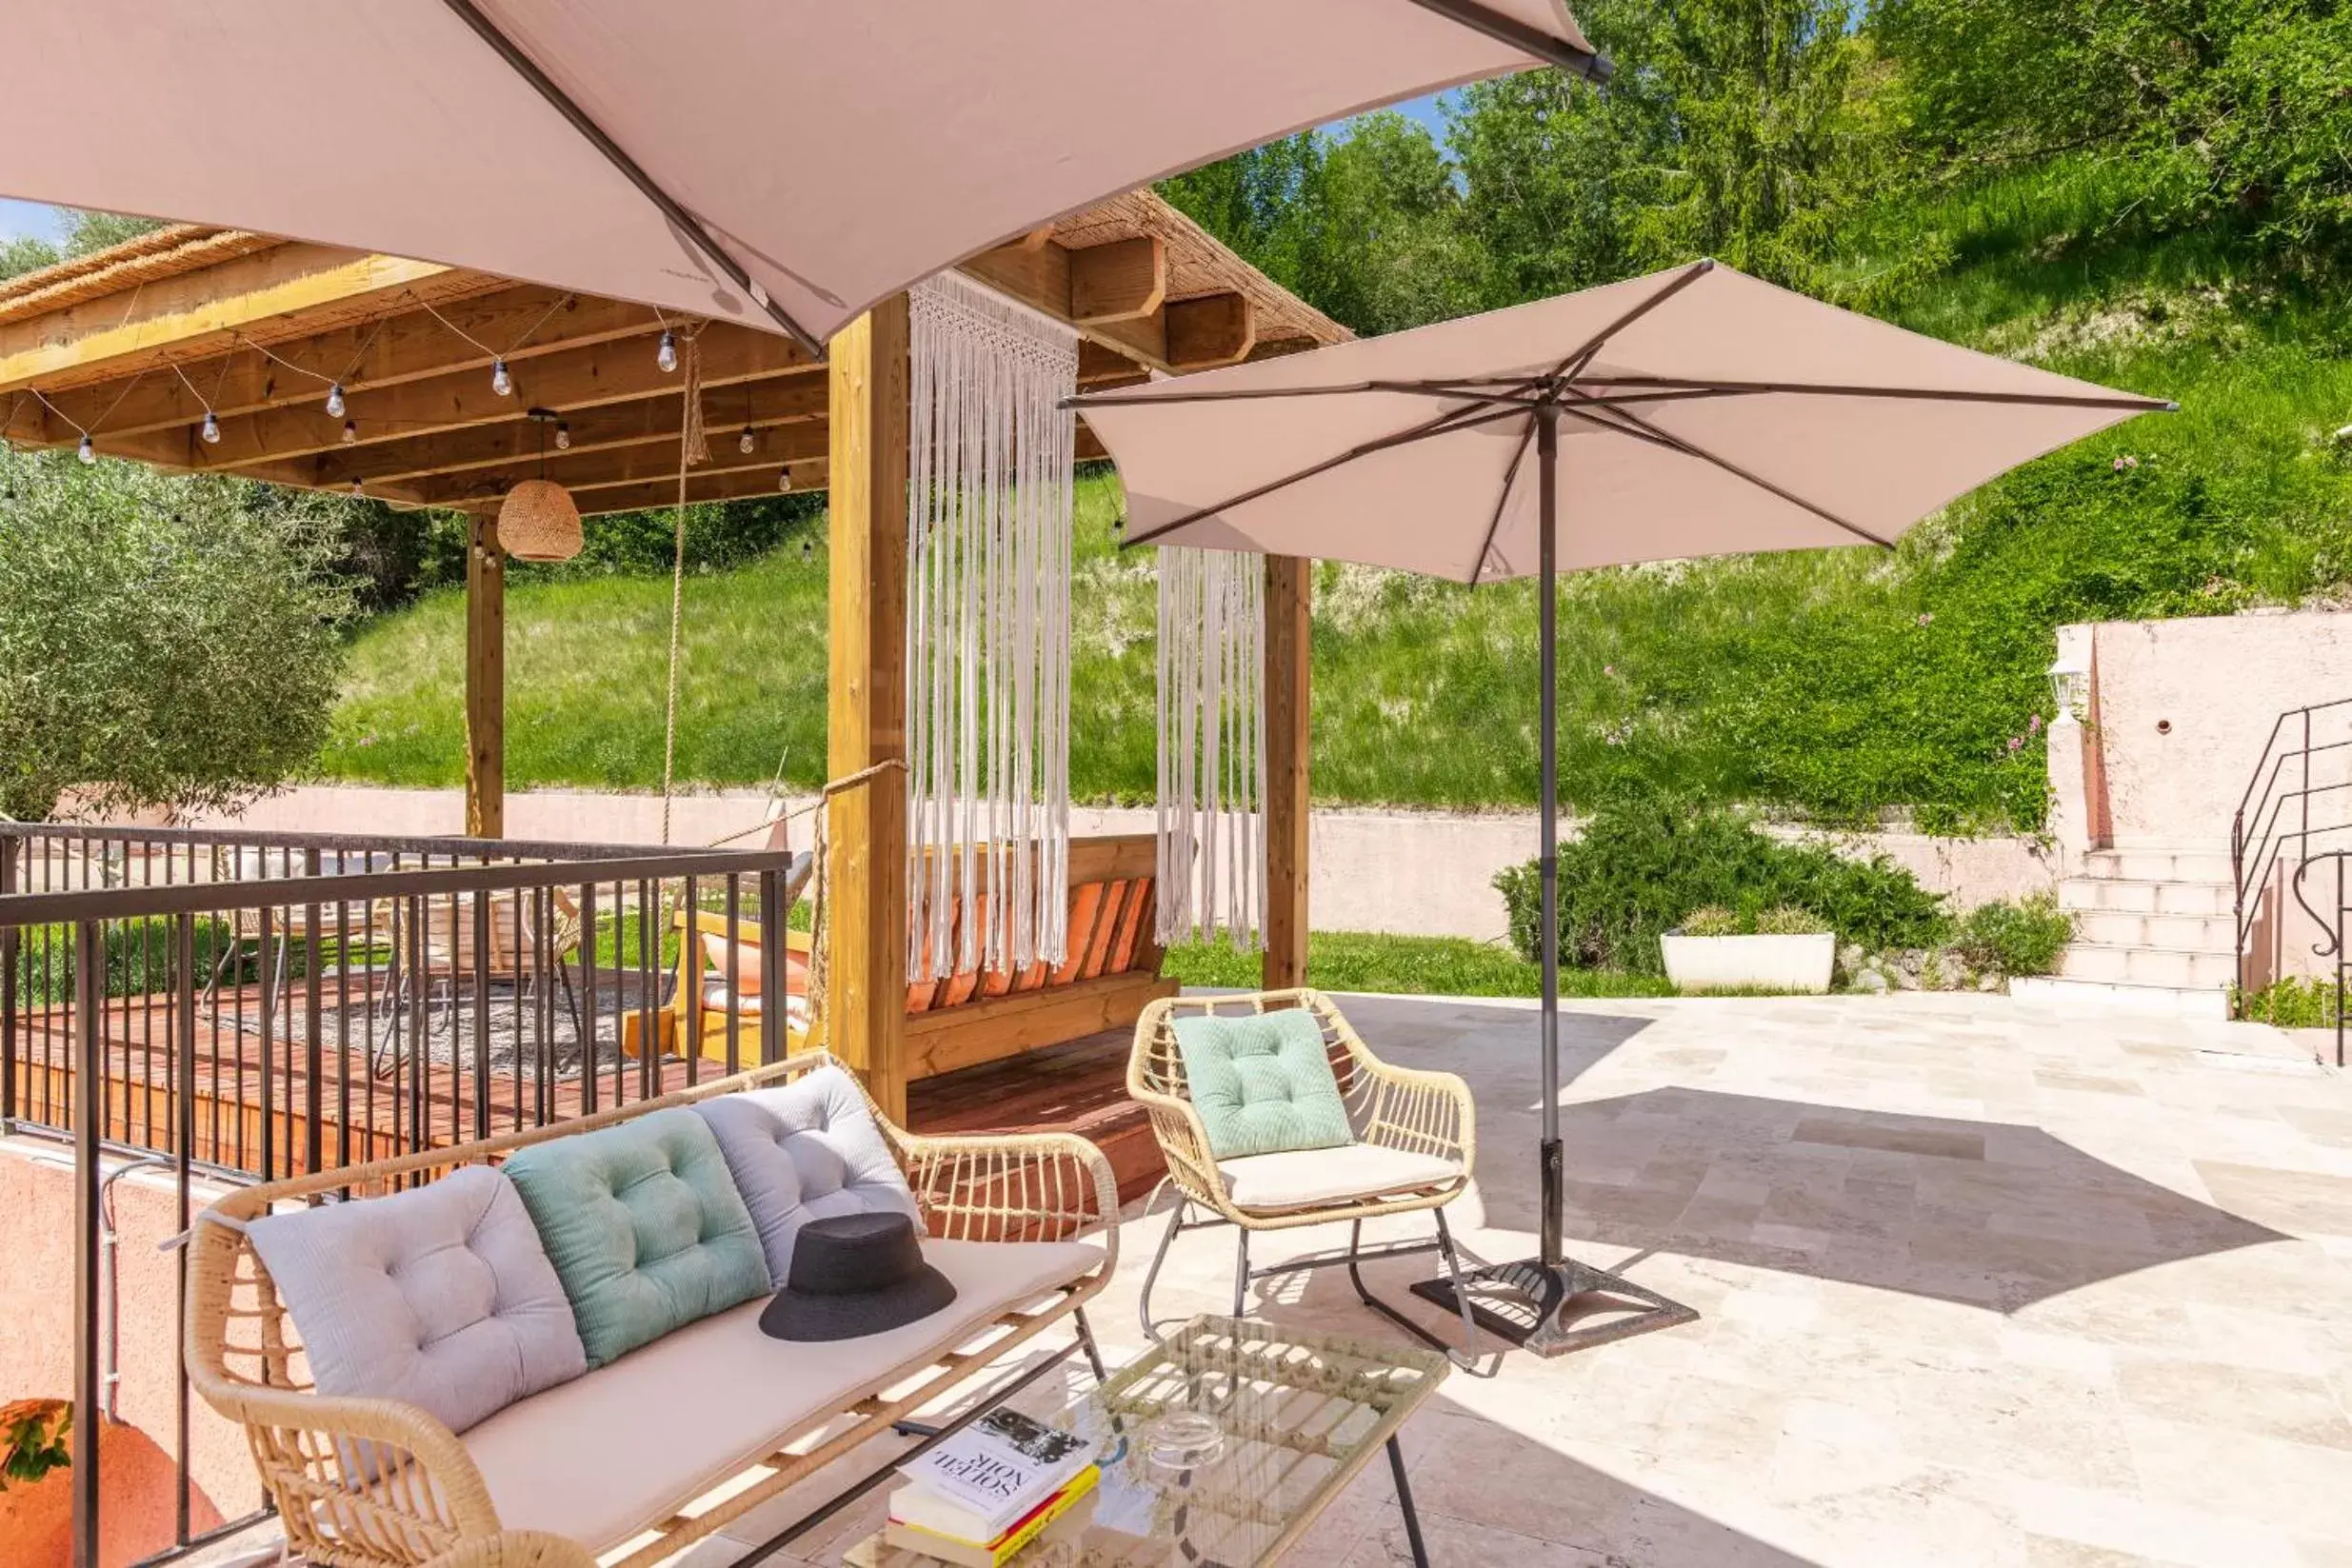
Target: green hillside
[[2186, 239]]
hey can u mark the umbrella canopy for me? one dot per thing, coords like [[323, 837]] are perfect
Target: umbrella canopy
[[784, 162], [1701, 412], [1692, 412]]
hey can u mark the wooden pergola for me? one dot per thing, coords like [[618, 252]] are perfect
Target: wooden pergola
[[134, 346]]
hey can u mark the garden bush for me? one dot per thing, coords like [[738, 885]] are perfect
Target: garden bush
[[2024, 938], [1642, 867]]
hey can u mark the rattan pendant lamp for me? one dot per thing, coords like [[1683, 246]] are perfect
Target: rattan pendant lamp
[[537, 520]]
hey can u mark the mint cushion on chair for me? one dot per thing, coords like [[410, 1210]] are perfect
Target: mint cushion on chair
[[644, 1226], [1263, 1083]]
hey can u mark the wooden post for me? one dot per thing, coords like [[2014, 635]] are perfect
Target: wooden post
[[865, 1005], [1290, 620], [486, 678]]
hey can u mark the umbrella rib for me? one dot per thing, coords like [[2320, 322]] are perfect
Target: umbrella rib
[[1573, 365], [1494, 524], [1445, 424], [1509, 30], [1495, 392], [1643, 430], [1693, 387], [594, 134]]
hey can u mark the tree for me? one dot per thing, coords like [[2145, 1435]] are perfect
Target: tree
[[84, 233], [164, 641]]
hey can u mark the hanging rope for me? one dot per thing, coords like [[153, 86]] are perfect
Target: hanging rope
[[692, 448], [1212, 748], [987, 631]]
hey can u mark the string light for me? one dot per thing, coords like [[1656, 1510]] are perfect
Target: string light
[[563, 436], [745, 442], [87, 450], [350, 431], [210, 429], [335, 401], [359, 487], [501, 383], [784, 479], [666, 356]]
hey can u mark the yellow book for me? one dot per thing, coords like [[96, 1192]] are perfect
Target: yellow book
[[967, 1554]]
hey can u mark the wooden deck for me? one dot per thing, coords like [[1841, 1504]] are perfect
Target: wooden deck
[[254, 1110]]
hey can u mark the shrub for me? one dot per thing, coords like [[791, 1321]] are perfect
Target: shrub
[[2024, 938], [1788, 920], [1712, 919], [1642, 864], [2290, 1005]]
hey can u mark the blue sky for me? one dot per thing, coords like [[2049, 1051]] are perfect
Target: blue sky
[[34, 218]]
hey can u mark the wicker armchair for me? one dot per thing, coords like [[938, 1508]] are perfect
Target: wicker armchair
[[379, 1484], [1416, 1139]]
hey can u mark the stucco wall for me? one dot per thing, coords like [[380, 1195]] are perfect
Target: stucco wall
[[1410, 873], [2185, 709]]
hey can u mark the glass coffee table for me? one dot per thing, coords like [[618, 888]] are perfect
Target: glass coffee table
[[1221, 1445]]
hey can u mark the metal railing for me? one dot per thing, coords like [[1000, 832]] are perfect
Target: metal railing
[[228, 1006], [2274, 824], [2332, 925]]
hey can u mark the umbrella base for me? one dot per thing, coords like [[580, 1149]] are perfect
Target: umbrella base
[[1554, 1310]]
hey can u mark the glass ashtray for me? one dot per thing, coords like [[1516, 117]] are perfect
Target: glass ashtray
[[1181, 1441]]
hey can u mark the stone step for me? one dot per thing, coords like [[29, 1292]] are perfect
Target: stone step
[[2150, 864], [2105, 996], [2181, 933], [2148, 966], [2144, 896]]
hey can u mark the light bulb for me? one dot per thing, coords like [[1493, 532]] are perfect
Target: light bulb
[[335, 401], [784, 479], [88, 451], [563, 436], [744, 442], [808, 549], [501, 383], [350, 431], [359, 487], [666, 356], [210, 430]]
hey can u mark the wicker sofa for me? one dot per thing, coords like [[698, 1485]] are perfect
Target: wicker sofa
[[640, 1458]]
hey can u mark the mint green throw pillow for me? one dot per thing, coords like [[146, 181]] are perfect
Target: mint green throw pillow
[[644, 1226], [1263, 1083]]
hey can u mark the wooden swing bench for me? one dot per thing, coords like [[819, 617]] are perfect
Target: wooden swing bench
[[954, 1020]]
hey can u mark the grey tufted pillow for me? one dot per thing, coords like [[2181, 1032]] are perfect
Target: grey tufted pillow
[[806, 1151], [441, 1297]]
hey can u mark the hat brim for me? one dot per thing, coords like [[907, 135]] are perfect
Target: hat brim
[[799, 1315]]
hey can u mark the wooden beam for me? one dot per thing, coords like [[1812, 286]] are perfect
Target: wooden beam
[[486, 678], [1212, 330], [1098, 366], [594, 376], [865, 1008], [1121, 281], [526, 323], [647, 461], [199, 313], [1039, 278], [735, 486], [1290, 625], [517, 445]]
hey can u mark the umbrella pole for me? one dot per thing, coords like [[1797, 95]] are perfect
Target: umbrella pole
[[1548, 851]]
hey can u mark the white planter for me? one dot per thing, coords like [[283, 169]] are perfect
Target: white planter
[[1767, 963]]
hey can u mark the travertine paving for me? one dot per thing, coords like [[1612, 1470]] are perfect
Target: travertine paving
[[1980, 1283]]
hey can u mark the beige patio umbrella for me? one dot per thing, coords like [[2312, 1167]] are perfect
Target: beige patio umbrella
[[777, 162], [1692, 412]]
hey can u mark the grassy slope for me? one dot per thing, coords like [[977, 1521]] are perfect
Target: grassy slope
[[1805, 676]]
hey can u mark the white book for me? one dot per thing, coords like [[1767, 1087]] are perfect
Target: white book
[[988, 1477]]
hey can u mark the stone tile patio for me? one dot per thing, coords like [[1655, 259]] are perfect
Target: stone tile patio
[[1980, 1283]]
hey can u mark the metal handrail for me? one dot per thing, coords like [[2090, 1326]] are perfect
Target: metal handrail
[[2254, 857]]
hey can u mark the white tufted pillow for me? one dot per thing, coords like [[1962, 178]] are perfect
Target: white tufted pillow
[[806, 1151], [442, 1296]]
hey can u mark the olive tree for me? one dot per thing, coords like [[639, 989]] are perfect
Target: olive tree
[[164, 641]]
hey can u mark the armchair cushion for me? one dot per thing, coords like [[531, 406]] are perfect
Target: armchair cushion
[[807, 1150], [441, 1297], [644, 1226], [1262, 1082], [1313, 1178]]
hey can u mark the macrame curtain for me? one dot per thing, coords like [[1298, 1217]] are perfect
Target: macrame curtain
[[988, 632], [1212, 748]]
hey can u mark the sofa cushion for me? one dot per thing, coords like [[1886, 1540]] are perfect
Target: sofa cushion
[[1310, 1177], [806, 1150], [441, 1297], [644, 1226], [1262, 1082], [602, 1458]]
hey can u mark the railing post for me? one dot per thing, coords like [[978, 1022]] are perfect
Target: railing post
[[2237, 896], [772, 916], [88, 1113], [313, 1065], [11, 848]]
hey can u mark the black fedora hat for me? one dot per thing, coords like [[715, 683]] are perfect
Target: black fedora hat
[[854, 1275]]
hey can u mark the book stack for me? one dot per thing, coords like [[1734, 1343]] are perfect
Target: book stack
[[990, 1490]]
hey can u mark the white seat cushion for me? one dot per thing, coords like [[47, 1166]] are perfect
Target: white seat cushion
[[1300, 1178], [603, 1456], [806, 1150], [714, 1001]]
